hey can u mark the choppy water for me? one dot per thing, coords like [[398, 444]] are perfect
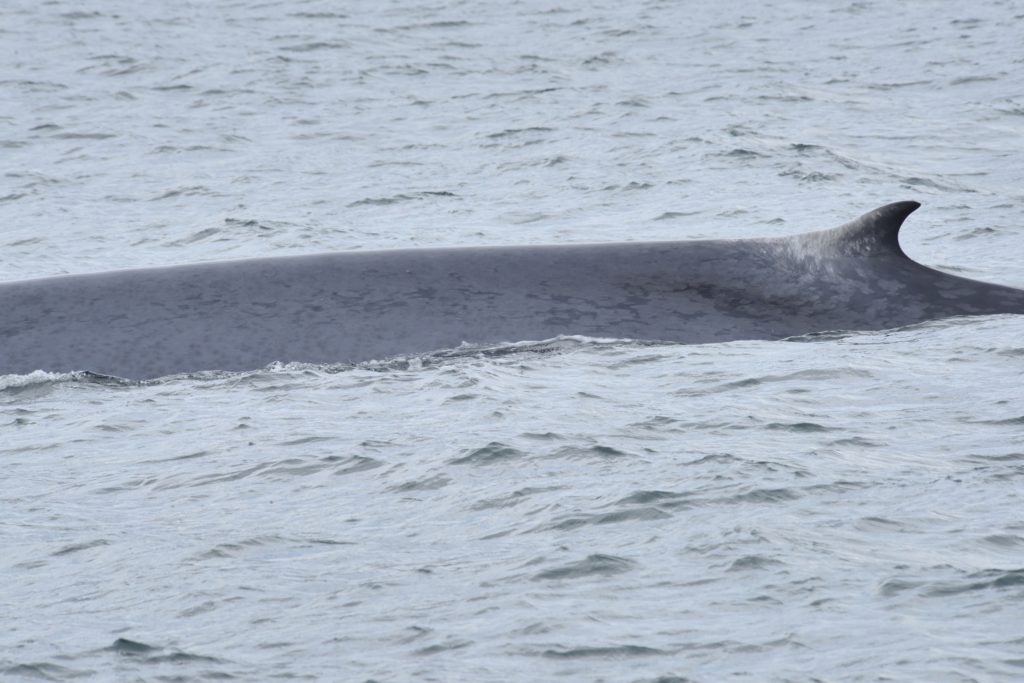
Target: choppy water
[[841, 508]]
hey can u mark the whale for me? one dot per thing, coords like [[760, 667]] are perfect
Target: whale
[[357, 306]]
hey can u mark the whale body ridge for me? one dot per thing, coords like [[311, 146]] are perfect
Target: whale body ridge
[[350, 307]]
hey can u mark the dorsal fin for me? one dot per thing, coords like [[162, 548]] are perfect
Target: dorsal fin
[[876, 233]]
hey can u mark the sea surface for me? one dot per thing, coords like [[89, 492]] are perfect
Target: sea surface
[[838, 507]]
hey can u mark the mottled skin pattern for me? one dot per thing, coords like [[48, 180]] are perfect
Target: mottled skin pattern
[[352, 307]]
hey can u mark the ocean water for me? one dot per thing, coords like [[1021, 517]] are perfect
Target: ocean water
[[839, 507]]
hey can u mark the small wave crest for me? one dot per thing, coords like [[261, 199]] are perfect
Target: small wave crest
[[41, 379], [555, 345]]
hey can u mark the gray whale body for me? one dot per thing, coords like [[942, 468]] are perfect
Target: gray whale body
[[356, 306]]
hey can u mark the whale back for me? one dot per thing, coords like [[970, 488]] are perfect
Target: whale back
[[356, 306]]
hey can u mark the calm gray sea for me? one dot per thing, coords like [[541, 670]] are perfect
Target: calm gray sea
[[843, 507]]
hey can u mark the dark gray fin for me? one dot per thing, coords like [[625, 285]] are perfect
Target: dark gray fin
[[876, 233]]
